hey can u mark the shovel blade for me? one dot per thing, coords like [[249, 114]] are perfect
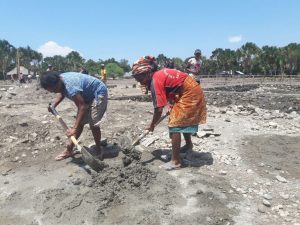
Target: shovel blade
[[88, 158]]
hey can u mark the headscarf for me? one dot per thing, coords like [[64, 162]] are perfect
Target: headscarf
[[143, 65]]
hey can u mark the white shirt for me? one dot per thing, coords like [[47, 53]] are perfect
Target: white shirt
[[194, 65]]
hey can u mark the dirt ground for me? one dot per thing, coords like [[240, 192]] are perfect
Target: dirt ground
[[244, 168]]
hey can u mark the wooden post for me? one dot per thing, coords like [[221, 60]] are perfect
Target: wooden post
[[18, 63]]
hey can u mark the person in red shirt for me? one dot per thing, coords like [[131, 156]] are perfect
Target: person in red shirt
[[183, 93]]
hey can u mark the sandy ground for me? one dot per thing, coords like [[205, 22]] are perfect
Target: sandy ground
[[244, 168]]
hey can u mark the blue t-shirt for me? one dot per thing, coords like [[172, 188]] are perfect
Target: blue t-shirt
[[89, 87]]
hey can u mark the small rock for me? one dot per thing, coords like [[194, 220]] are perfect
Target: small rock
[[25, 140], [267, 196], [58, 214], [281, 179], [23, 124], [223, 172], [57, 138], [6, 182], [249, 171], [261, 209], [126, 161], [35, 152], [136, 182], [277, 208], [266, 203], [34, 135], [273, 124], [76, 181], [283, 213], [227, 120], [199, 192], [15, 159], [230, 113], [285, 196]]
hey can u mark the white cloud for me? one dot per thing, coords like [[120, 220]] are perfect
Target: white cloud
[[235, 39], [51, 48]]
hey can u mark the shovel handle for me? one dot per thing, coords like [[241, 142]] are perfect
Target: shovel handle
[[147, 131], [74, 140], [58, 117], [62, 122], [140, 138]]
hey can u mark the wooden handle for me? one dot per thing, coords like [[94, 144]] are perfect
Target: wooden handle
[[136, 141], [63, 124], [74, 140]]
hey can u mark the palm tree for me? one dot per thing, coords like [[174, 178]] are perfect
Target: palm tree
[[246, 55], [6, 56], [292, 57], [74, 60], [270, 59]]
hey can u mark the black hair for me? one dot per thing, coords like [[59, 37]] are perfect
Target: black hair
[[49, 79]]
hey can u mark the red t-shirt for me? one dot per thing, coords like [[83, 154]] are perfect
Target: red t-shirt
[[165, 85]]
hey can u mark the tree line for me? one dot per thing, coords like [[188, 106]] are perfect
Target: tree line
[[249, 59]]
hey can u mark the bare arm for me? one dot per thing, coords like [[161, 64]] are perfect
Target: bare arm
[[188, 66], [59, 98], [82, 109], [156, 116]]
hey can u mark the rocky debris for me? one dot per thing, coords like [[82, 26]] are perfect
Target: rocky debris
[[76, 181], [23, 124], [203, 133], [126, 160], [273, 124], [227, 120], [223, 172], [253, 181], [285, 196], [267, 197], [12, 93], [149, 140], [266, 203], [232, 96], [281, 179], [261, 209]]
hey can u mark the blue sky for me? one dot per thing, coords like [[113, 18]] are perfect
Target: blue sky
[[129, 29]]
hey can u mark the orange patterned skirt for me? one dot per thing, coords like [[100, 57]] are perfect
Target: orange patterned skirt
[[190, 106]]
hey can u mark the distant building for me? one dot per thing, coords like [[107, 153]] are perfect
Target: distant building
[[14, 72]]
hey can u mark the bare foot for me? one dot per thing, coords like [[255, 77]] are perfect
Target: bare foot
[[64, 155], [170, 166], [186, 148]]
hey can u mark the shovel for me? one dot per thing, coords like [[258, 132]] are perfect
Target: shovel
[[87, 157], [139, 138]]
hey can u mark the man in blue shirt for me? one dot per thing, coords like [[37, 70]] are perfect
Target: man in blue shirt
[[90, 96]]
